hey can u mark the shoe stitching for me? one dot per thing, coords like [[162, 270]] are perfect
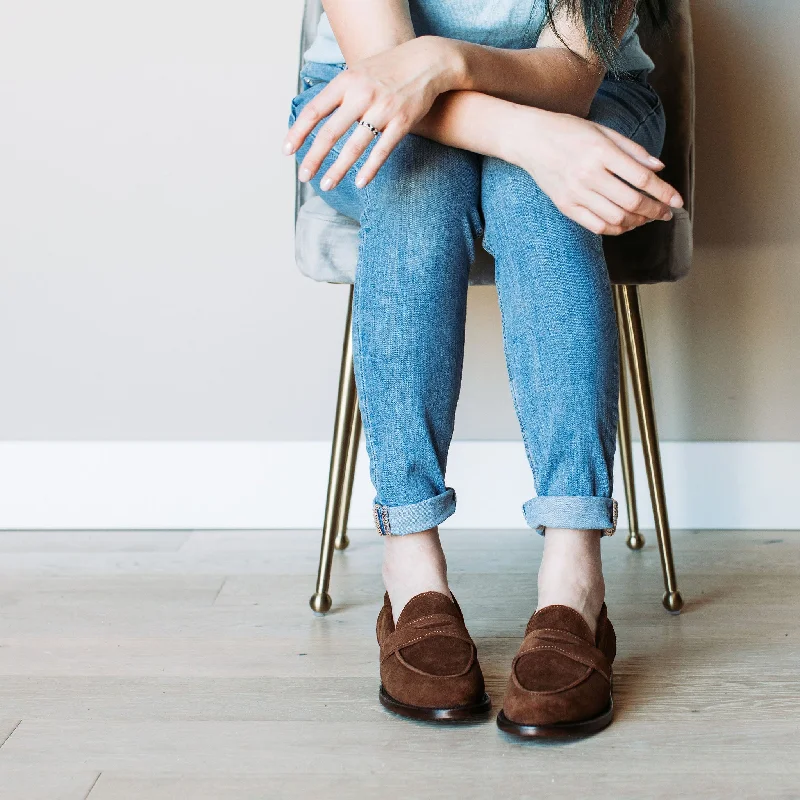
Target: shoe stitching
[[570, 656]]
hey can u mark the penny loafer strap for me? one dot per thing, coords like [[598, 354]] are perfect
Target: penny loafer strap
[[568, 645], [424, 628]]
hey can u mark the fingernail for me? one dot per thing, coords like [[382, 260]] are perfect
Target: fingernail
[[304, 175], [655, 162], [676, 201], [360, 182], [667, 216], [288, 148], [326, 184]]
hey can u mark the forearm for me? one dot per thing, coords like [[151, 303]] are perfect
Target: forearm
[[477, 122], [562, 73], [551, 78], [364, 28]]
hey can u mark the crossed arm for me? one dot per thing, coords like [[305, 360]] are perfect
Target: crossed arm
[[524, 106]]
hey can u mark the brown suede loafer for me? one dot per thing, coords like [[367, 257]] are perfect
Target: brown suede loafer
[[560, 684], [429, 663]]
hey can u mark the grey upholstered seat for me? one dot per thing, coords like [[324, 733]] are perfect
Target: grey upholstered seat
[[326, 246]]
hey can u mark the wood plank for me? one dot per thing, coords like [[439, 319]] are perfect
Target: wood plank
[[517, 552], [126, 604], [7, 727], [525, 784], [44, 782], [644, 688], [92, 541], [133, 606], [331, 748]]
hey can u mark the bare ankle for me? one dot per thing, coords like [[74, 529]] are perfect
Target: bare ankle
[[571, 572], [413, 564]]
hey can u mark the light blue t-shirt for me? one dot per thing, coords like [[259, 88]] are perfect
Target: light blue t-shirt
[[511, 24]]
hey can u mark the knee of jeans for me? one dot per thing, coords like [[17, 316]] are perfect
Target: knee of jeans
[[515, 208], [424, 185], [505, 184], [513, 201]]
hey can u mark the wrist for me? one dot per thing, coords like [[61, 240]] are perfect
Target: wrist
[[521, 127], [449, 60]]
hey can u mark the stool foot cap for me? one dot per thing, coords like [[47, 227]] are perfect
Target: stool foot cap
[[635, 540], [673, 602], [320, 602]]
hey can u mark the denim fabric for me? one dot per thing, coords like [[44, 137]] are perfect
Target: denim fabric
[[420, 218], [511, 24]]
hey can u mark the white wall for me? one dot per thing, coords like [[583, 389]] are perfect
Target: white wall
[[147, 286]]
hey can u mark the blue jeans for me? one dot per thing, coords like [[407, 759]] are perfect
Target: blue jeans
[[420, 218]]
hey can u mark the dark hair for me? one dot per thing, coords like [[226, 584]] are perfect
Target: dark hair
[[598, 18]]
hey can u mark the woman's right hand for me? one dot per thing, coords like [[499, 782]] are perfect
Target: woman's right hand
[[594, 175], [391, 91]]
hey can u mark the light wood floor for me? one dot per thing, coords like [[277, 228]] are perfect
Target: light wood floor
[[188, 665]]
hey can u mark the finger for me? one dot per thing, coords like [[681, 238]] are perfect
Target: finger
[[633, 149], [386, 143], [640, 177], [323, 104], [355, 147], [632, 200], [325, 138], [611, 213], [589, 220]]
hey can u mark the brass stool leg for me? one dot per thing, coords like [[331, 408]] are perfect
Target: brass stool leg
[[342, 541], [343, 428], [633, 335], [635, 539]]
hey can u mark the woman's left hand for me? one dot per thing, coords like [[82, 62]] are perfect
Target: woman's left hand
[[391, 91], [595, 176]]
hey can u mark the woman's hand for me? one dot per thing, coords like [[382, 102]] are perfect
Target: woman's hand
[[391, 91], [595, 176]]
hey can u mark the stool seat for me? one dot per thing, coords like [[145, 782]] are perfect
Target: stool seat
[[326, 246]]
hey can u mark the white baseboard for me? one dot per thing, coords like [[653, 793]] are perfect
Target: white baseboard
[[146, 485]]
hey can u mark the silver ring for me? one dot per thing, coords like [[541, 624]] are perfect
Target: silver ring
[[371, 128]]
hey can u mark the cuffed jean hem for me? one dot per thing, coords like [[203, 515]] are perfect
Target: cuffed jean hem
[[575, 513], [400, 520]]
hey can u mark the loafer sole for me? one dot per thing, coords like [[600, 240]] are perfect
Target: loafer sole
[[471, 711], [563, 730]]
